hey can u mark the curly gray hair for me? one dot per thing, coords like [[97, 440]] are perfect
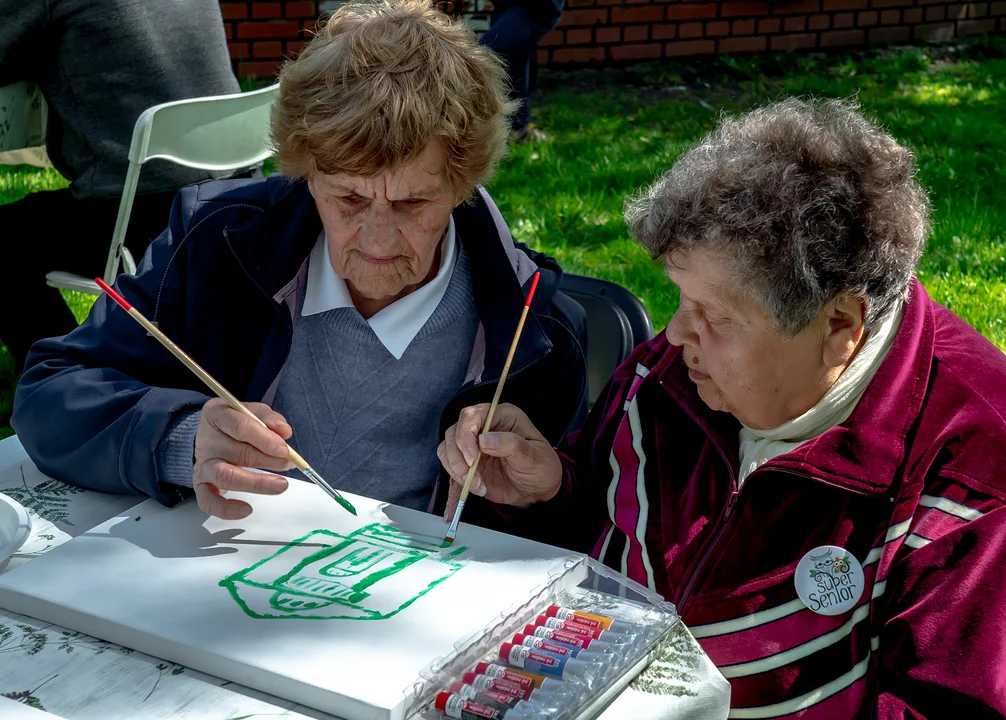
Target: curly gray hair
[[809, 197]]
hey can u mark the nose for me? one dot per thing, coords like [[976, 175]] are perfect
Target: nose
[[378, 231], [679, 330]]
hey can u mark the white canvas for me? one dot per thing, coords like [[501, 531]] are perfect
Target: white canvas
[[342, 622]]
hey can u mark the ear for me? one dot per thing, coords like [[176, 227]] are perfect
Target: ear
[[843, 329]]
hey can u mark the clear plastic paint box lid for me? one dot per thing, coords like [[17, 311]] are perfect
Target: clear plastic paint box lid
[[566, 652]]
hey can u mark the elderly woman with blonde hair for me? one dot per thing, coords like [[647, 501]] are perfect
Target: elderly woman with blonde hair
[[360, 299]]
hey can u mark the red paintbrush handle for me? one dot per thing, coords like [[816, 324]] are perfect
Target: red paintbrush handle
[[121, 300], [530, 293]]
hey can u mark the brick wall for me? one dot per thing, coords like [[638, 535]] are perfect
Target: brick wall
[[604, 31], [261, 34]]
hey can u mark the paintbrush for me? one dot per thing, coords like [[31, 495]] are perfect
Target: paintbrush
[[222, 392], [452, 532]]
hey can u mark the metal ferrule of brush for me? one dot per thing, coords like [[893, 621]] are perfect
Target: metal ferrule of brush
[[453, 531]]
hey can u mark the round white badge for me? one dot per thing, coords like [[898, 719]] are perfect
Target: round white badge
[[829, 580]]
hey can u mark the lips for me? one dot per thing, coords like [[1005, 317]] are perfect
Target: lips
[[378, 260]]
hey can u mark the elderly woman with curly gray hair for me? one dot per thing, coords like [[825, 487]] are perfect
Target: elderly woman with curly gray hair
[[809, 460]]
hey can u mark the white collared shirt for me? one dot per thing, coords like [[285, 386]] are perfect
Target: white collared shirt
[[397, 325]]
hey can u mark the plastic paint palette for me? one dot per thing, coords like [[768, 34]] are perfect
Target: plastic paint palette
[[15, 527]]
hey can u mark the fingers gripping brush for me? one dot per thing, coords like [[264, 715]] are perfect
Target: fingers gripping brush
[[452, 532]]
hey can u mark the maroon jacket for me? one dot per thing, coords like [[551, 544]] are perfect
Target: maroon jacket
[[913, 485]]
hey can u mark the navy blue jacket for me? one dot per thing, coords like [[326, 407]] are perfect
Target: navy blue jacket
[[92, 407]]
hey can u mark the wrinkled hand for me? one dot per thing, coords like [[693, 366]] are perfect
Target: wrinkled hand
[[518, 466], [227, 443]]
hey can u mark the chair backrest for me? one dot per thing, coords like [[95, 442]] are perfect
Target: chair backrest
[[221, 132], [22, 116], [616, 322]]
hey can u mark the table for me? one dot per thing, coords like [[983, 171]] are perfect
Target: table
[[78, 677]]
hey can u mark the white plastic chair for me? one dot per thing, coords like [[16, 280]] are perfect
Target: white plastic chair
[[223, 132]]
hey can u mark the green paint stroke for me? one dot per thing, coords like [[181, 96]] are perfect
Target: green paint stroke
[[369, 574]]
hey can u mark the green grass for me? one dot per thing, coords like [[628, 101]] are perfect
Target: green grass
[[614, 131]]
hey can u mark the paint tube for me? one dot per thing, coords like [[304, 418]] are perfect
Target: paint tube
[[538, 661], [486, 697], [570, 638], [522, 678], [502, 684], [593, 621], [455, 706], [531, 641], [583, 630]]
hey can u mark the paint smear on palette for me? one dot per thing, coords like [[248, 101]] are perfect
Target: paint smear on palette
[[369, 574]]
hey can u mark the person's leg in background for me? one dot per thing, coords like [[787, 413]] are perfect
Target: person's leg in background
[[514, 34], [52, 230]]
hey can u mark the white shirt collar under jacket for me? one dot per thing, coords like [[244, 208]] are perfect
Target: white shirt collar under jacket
[[396, 325]]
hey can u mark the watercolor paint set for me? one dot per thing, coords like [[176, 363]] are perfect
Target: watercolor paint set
[[566, 653]]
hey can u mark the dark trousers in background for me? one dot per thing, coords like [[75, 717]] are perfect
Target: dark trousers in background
[[514, 34], [51, 230]]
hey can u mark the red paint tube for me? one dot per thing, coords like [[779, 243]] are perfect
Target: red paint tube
[[488, 697], [594, 621], [569, 638], [577, 629], [507, 687], [455, 706], [532, 641], [522, 678]]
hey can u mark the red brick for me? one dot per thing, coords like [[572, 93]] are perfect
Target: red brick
[[690, 30], [715, 29], [584, 17], [794, 42], [768, 26], [978, 10], [621, 16], [581, 3], [266, 10], [797, 8], [665, 32], [578, 55], [838, 5], [843, 20], [260, 68], [746, 9], [887, 36], [935, 32], [842, 38], [553, 38], [237, 50], [690, 12], [998, 8], [234, 11], [868, 19], [819, 22], [637, 2], [934, 14], [636, 33], [608, 34], [957, 12], [743, 45], [299, 9], [880, 4], [975, 27], [268, 30], [293, 47], [228, 31], [743, 27], [795, 24], [579, 36], [635, 52], [890, 17], [692, 47], [267, 49], [543, 57], [912, 16], [609, 2]]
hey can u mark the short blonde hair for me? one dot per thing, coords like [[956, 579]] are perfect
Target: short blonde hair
[[381, 80]]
